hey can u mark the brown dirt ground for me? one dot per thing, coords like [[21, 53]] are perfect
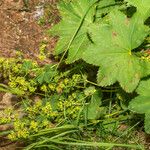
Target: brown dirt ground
[[19, 30]]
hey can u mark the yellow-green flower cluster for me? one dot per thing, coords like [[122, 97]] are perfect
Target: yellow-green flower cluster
[[34, 126], [41, 109], [22, 84], [9, 66], [6, 116], [64, 85], [34, 110], [29, 123], [23, 128], [42, 51], [63, 90], [25, 83], [44, 88], [21, 134], [13, 71], [40, 115], [71, 106], [20, 130], [146, 58], [89, 91], [47, 111]]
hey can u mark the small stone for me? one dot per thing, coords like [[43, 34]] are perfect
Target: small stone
[[9, 100]]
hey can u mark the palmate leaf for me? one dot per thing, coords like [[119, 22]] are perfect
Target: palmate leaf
[[93, 109], [112, 51], [141, 104], [46, 74], [72, 29], [143, 7], [27, 66], [106, 6]]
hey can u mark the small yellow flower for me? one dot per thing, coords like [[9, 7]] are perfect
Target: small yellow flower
[[41, 56], [23, 133], [44, 88], [16, 116], [38, 104], [8, 111], [45, 123], [59, 90], [47, 108], [32, 89], [12, 136], [34, 126], [61, 85], [19, 125], [74, 95], [60, 105], [4, 120], [66, 81], [52, 87]]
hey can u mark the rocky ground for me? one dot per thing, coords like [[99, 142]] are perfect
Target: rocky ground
[[19, 28]]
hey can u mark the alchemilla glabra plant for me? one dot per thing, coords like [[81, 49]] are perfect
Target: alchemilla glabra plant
[[103, 34]]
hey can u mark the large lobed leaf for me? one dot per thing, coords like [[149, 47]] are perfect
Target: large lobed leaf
[[143, 7], [110, 45], [141, 104], [112, 51], [77, 17], [72, 29], [106, 6], [94, 111]]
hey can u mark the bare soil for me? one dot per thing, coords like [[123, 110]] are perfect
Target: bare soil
[[19, 30]]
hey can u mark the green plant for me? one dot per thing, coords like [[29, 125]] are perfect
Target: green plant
[[42, 50], [19, 79], [102, 34], [141, 103], [63, 98], [62, 105], [107, 42]]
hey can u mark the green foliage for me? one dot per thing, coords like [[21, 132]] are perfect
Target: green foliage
[[105, 7], [141, 103], [76, 18], [143, 8], [111, 41], [104, 34], [45, 75], [94, 111], [113, 45], [63, 98], [26, 66], [19, 75]]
